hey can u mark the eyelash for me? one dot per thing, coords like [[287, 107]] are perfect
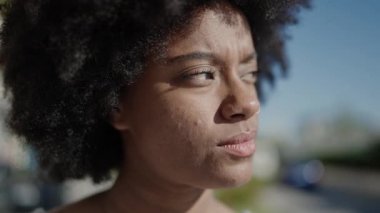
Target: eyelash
[[254, 74], [198, 72], [210, 74]]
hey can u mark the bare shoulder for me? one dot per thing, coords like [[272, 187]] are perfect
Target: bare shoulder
[[91, 204], [223, 208]]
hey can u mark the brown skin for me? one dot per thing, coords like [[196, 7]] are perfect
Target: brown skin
[[173, 117]]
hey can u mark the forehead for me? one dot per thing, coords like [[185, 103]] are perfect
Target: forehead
[[213, 30]]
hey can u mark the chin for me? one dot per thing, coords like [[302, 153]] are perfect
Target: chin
[[237, 179], [232, 176]]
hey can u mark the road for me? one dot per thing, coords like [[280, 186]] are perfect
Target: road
[[342, 191]]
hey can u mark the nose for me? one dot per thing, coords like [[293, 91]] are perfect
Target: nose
[[241, 103]]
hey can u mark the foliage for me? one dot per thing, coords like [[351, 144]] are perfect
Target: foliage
[[369, 158], [243, 197], [3, 6]]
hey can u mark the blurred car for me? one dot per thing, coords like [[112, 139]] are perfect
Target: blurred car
[[20, 192], [304, 174]]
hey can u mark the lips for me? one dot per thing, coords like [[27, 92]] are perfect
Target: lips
[[241, 145]]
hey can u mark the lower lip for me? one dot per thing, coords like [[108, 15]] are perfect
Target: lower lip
[[244, 149]]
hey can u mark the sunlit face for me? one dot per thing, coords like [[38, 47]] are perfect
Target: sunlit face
[[192, 116]]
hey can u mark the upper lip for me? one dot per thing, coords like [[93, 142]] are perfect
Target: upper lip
[[239, 138]]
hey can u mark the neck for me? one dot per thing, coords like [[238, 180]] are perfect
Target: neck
[[135, 190]]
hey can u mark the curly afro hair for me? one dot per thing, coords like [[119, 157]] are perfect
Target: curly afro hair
[[67, 62]]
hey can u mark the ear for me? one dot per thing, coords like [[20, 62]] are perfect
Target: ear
[[119, 118]]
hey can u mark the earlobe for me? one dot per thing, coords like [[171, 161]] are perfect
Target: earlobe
[[118, 119]]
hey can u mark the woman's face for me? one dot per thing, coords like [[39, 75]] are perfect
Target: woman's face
[[191, 118]]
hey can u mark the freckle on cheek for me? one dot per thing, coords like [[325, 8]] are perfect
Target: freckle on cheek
[[198, 122], [244, 126]]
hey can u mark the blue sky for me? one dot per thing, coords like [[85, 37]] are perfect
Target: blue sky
[[334, 55]]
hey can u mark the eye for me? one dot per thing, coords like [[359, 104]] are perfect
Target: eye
[[200, 76], [250, 77]]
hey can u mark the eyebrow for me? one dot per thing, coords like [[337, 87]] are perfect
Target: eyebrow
[[206, 56], [192, 56]]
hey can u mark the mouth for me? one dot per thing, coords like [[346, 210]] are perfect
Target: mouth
[[240, 145]]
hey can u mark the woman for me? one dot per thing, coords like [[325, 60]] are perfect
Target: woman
[[164, 92]]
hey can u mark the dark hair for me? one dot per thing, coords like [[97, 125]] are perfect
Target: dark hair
[[66, 63]]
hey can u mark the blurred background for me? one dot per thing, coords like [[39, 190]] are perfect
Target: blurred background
[[319, 142]]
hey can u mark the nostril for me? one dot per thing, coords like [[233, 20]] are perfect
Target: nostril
[[237, 116], [239, 107]]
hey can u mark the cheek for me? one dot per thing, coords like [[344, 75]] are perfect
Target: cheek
[[179, 125], [187, 123]]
